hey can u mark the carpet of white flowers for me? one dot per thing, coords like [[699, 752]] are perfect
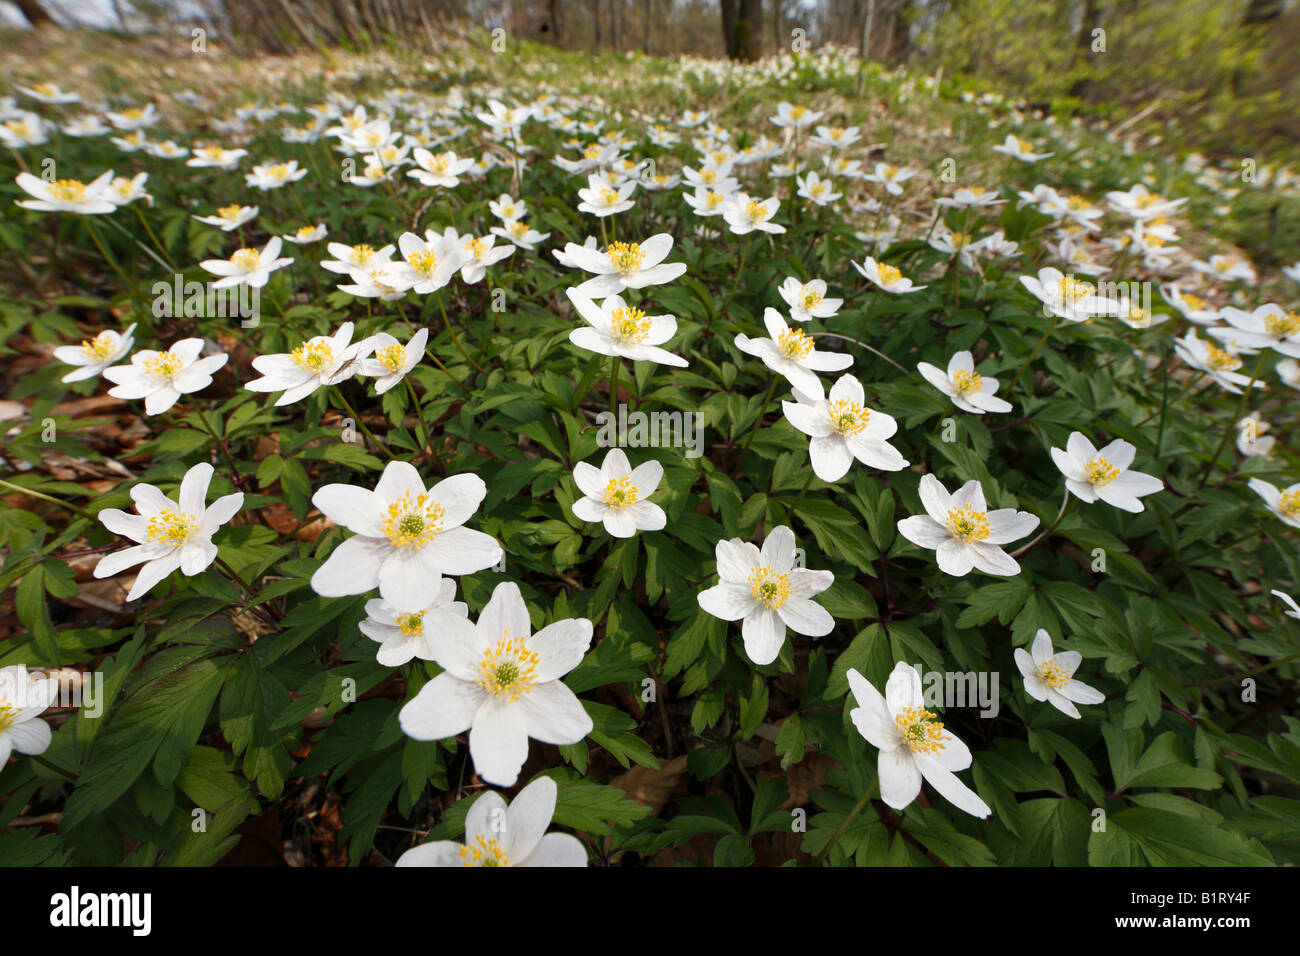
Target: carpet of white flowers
[[528, 459]]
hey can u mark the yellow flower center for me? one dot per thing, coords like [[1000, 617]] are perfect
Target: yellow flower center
[[305, 231], [887, 274], [171, 527], [625, 257], [133, 113], [230, 212], [163, 366], [755, 211], [966, 524], [1100, 471], [795, 344], [609, 196], [508, 669], [278, 171], [424, 262], [1078, 202], [411, 625], [519, 228], [848, 417], [620, 493], [45, 89], [1072, 289], [769, 588], [101, 348], [629, 326], [921, 730], [1289, 504], [483, 852], [440, 163], [477, 248], [1195, 302], [812, 299], [247, 259], [392, 357], [1220, 360], [959, 239], [412, 521], [966, 382], [362, 254], [714, 199], [796, 112], [68, 190], [212, 152], [7, 716], [314, 357], [708, 176], [1282, 326], [1053, 674]]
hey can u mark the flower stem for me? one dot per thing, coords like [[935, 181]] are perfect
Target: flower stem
[[455, 339], [1065, 503], [419, 415], [1236, 417], [362, 425], [853, 815], [54, 501], [615, 366], [762, 410]]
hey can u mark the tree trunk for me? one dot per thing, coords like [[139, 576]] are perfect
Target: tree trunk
[[729, 27], [34, 12], [749, 21], [1262, 11]]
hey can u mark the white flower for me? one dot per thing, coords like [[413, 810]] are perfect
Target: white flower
[[1091, 474], [1268, 327], [405, 635], [274, 175], [1289, 601], [807, 300], [229, 217], [306, 235], [1050, 677], [913, 743], [406, 538], [1227, 269], [707, 202], [442, 169], [795, 117], [616, 494], [250, 267], [387, 281], [969, 390], [1193, 308], [1284, 503], [68, 195], [507, 208], [216, 157], [321, 360], [481, 253], [168, 534], [347, 258], [502, 684], [1251, 437], [1139, 203], [793, 353], [124, 191], [428, 264], [602, 199], [971, 197], [50, 93], [520, 234], [390, 360], [95, 355], [890, 177], [624, 265], [842, 428], [23, 697], [961, 530], [1220, 364], [886, 276], [500, 835], [161, 378], [1067, 297], [819, 191], [616, 328], [744, 215], [767, 593], [1020, 149]]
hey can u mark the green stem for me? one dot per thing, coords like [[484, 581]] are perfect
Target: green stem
[[43, 497], [103, 250], [455, 339], [362, 425], [1236, 417], [615, 366], [419, 415], [762, 410], [853, 815]]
